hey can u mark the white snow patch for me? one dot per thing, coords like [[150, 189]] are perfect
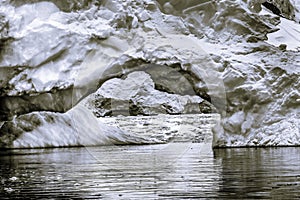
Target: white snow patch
[[288, 34]]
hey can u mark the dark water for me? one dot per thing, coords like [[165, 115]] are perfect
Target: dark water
[[174, 171]]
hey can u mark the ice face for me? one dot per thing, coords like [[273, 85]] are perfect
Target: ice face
[[247, 62]]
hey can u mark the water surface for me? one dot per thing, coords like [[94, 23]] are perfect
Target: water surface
[[164, 171]]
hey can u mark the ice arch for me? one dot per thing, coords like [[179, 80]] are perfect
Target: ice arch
[[194, 80]]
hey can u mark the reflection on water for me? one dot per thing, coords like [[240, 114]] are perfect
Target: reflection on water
[[261, 173], [165, 171]]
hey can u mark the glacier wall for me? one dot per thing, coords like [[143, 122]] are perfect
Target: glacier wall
[[241, 60]]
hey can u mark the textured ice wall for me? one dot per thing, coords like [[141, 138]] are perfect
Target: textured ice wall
[[77, 127], [53, 54]]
